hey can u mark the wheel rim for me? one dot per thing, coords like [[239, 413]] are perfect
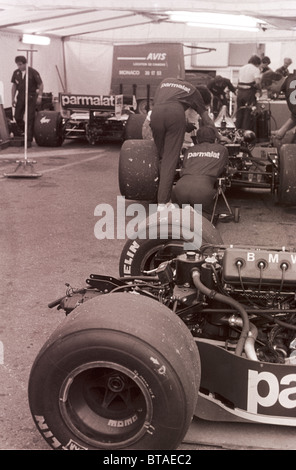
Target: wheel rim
[[142, 107], [105, 404], [159, 254]]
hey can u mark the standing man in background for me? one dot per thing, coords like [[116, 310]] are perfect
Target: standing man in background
[[264, 67], [248, 85], [276, 83], [284, 69], [168, 123], [18, 95]]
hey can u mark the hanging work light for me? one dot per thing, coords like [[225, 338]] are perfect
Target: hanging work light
[[36, 39]]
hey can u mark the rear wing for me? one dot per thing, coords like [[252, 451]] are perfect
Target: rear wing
[[114, 104]]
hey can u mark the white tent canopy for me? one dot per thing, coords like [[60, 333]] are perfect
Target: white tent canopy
[[84, 32], [117, 20]]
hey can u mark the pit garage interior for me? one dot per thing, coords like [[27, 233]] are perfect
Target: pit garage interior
[[48, 235]]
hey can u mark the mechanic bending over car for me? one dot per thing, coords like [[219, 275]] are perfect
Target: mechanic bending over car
[[203, 164], [168, 123], [275, 83], [217, 87]]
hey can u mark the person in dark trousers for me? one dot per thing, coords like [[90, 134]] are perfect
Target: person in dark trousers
[[18, 95], [248, 85], [276, 83], [202, 165], [168, 123], [217, 87]]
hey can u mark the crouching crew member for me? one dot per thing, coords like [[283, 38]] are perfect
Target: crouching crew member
[[203, 164], [168, 123]]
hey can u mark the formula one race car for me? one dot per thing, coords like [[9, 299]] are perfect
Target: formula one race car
[[91, 117], [251, 165], [209, 332]]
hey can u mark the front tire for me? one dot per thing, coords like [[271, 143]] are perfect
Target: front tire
[[122, 372], [145, 254]]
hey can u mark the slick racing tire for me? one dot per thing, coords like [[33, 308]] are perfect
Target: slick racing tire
[[144, 254], [48, 129], [138, 170], [121, 372], [287, 175], [133, 127]]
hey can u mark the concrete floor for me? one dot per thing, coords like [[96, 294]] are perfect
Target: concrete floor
[[47, 239]]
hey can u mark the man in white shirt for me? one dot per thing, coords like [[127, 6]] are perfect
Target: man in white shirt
[[248, 85]]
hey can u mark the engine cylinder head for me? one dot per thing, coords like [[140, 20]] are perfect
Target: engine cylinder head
[[185, 263]]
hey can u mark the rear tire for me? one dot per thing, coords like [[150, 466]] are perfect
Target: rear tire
[[121, 372], [138, 170], [287, 175], [48, 129]]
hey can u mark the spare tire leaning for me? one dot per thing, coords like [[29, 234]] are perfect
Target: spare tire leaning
[[49, 129], [287, 175], [138, 170]]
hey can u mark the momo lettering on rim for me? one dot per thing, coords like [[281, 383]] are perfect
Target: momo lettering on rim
[[123, 422]]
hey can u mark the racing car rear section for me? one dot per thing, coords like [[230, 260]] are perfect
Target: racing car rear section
[[208, 333], [251, 165], [91, 117]]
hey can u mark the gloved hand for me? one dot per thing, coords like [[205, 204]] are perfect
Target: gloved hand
[[190, 127]]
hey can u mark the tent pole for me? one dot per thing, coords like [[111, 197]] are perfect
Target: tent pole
[[64, 65]]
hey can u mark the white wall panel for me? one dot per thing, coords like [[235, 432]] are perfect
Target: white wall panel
[[44, 60], [217, 58], [89, 67]]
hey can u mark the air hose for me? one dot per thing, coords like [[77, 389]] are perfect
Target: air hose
[[229, 301]]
